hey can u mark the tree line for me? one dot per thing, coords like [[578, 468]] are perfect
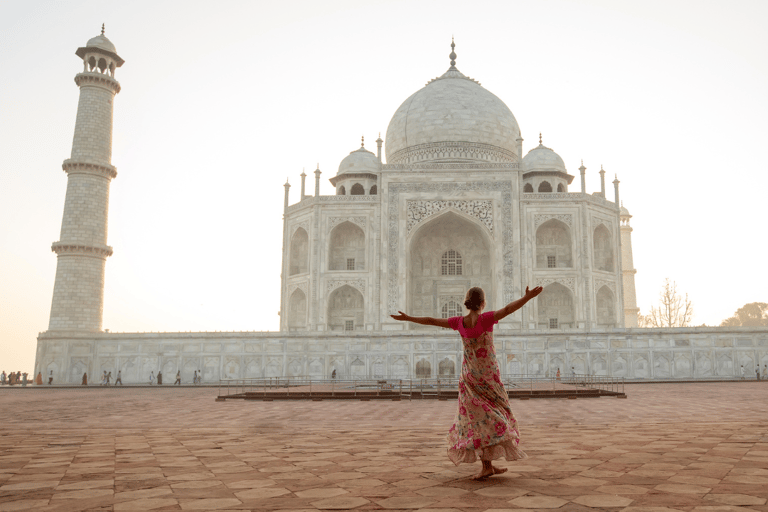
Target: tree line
[[675, 310]]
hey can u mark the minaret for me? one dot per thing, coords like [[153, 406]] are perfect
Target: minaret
[[379, 142], [628, 271], [317, 180], [583, 178], [303, 179], [602, 182], [82, 250], [616, 189]]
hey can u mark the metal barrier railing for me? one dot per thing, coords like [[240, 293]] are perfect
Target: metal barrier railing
[[399, 387]]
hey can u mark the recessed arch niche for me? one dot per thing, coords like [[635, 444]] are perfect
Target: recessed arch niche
[[555, 307], [299, 262], [428, 288], [347, 247], [346, 309], [603, 248], [606, 307], [553, 245], [297, 310]]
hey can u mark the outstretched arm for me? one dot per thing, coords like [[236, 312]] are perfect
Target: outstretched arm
[[516, 304], [423, 320]]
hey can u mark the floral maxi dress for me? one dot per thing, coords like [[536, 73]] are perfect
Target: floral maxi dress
[[485, 427]]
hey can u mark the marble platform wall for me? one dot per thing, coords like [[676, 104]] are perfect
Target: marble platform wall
[[632, 353]]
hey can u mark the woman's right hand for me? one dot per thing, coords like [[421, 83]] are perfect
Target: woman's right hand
[[529, 294]]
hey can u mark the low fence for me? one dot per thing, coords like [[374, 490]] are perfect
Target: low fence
[[395, 388]]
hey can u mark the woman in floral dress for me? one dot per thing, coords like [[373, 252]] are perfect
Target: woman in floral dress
[[485, 427]]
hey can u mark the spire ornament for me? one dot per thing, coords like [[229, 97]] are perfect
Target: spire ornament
[[362, 141], [540, 143], [453, 54], [102, 29]]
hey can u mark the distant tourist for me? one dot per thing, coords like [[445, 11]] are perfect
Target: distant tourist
[[119, 379], [24, 378], [333, 374], [151, 378], [485, 427], [765, 369], [194, 378], [742, 372], [2, 378], [50, 377], [109, 377], [558, 374], [39, 379], [159, 377], [85, 379], [103, 379], [757, 372], [178, 378]]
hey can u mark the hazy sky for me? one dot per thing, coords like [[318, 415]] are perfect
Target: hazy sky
[[222, 100]]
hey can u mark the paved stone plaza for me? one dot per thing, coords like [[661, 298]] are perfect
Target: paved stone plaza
[[701, 447]]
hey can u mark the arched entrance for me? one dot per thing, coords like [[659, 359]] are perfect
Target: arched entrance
[[555, 307], [345, 309], [447, 255]]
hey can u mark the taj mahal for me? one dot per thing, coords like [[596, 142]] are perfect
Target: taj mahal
[[449, 200]]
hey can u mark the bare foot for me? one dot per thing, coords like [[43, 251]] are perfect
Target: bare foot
[[486, 472]]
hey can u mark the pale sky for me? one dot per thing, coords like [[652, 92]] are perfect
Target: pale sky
[[221, 101]]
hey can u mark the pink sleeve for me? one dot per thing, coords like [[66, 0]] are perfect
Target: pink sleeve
[[488, 320], [455, 322]]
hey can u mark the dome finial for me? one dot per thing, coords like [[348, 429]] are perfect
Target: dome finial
[[102, 29], [453, 54], [540, 143], [362, 141]]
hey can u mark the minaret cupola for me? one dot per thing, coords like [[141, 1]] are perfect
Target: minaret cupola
[[544, 171], [358, 173]]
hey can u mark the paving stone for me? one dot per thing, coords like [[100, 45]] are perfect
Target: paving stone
[[340, 503], [209, 503], [602, 501], [735, 499], [538, 502]]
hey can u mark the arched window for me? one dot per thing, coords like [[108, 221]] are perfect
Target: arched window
[[423, 369], [346, 311], [92, 64], [347, 247], [544, 186], [357, 190], [603, 246], [341, 191], [102, 65], [299, 255], [297, 310], [555, 307], [374, 190], [451, 263], [446, 368], [450, 309], [560, 187], [606, 307], [528, 188], [553, 245]]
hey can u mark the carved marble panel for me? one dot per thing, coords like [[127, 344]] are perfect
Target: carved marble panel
[[418, 211]]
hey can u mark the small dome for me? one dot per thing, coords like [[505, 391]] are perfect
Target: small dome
[[623, 212], [360, 160], [101, 42], [542, 158]]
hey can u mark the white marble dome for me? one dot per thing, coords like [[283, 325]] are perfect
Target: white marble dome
[[542, 158], [453, 118], [101, 42], [360, 160]]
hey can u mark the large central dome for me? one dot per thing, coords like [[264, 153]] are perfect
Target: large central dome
[[452, 119]]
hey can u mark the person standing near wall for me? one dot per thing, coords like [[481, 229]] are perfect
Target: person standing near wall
[[159, 377], [151, 378], [119, 379], [178, 378], [50, 377], [742, 372], [39, 379], [2, 378], [85, 379]]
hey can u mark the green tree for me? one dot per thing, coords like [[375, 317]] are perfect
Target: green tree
[[673, 309], [754, 314]]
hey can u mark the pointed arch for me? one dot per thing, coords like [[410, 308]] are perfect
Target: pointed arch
[[297, 310], [528, 188], [606, 307], [357, 190], [448, 233], [446, 368], [423, 369], [603, 248], [346, 309], [347, 247], [374, 190], [556, 308], [545, 186], [553, 245], [560, 187], [299, 253], [341, 191]]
